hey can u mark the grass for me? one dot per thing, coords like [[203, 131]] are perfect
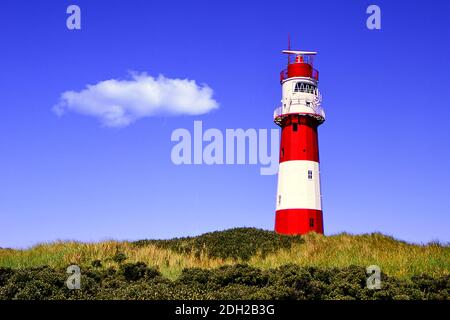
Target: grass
[[395, 258]]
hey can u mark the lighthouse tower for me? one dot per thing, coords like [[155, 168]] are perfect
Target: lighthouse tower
[[298, 203]]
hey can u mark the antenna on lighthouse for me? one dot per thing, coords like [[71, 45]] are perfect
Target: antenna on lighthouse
[[299, 52], [289, 47]]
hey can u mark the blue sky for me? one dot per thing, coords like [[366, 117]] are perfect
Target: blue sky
[[384, 148]]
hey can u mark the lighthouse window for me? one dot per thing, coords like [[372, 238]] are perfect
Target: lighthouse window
[[304, 87], [311, 222], [295, 126], [299, 87], [309, 174]]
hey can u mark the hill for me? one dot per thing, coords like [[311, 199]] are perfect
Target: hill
[[236, 263]]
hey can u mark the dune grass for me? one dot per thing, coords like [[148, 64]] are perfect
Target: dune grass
[[395, 258], [63, 254]]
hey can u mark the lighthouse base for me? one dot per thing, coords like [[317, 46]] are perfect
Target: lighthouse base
[[298, 221]]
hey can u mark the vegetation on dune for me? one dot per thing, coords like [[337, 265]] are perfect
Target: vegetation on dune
[[236, 263], [259, 248], [238, 243], [394, 257], [240, 281]]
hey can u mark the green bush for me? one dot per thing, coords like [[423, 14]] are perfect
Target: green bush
[[237, 243], [137, 271], [241, 274], [119, 257], [5, 274], [96, 263], [138, 281]]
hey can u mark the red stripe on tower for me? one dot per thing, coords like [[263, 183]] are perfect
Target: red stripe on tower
[[298, 221], [299, 204], [299, 139]]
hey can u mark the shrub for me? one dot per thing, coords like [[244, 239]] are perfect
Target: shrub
[[5, 273], [238, 274], [96, 263], [137, 271], [138, 281], [119, 257], [238, 243], [192, 276]]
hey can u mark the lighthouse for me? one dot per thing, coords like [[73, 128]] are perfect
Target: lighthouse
[[298, 201]]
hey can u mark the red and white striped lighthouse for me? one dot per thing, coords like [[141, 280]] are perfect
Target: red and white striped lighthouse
[[299, 203]]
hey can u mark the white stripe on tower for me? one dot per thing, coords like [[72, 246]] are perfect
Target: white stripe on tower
[[299, 185]]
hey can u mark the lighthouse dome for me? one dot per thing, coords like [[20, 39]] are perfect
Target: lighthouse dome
[[300, 93]]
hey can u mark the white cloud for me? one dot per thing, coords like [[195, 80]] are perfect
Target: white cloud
[[117, 103]]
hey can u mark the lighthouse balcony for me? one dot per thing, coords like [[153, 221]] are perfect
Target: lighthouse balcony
[[307, 107]]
